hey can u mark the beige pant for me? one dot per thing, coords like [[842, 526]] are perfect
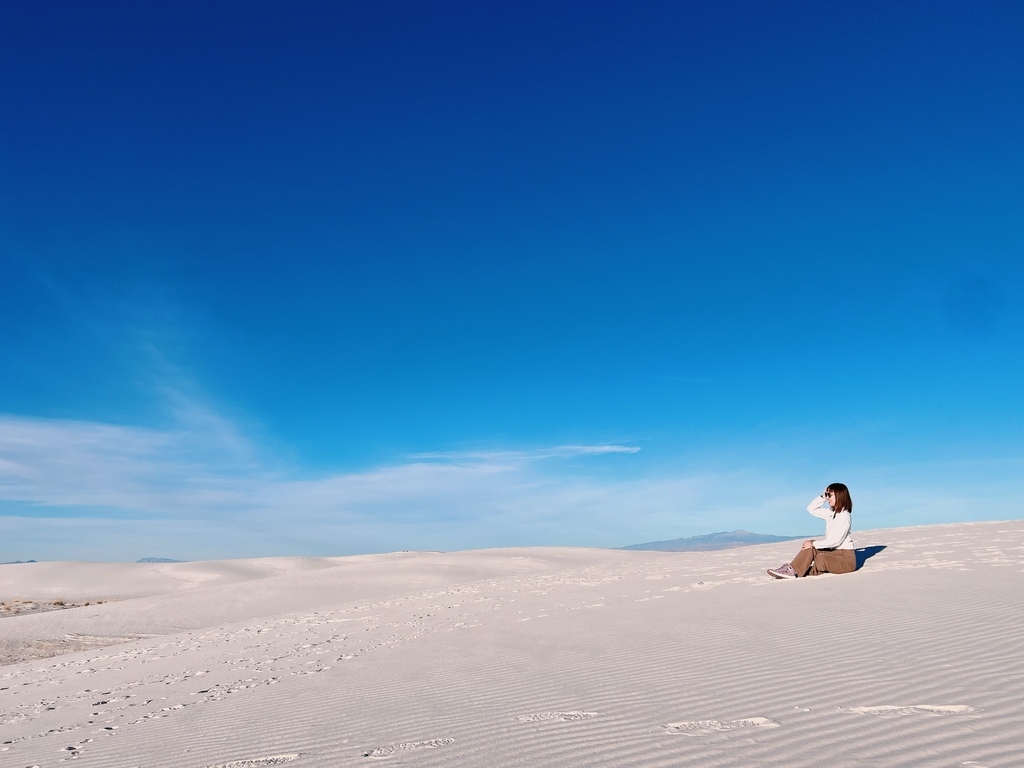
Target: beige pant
[[814, 562]]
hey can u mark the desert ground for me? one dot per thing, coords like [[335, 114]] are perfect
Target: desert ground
[[524, 657]]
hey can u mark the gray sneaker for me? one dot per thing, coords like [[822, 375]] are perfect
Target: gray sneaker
[[784, 571]]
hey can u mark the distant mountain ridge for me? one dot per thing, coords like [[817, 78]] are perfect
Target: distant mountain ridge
[[710, 541], [158, 560]]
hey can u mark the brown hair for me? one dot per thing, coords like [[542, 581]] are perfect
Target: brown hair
[[842, 497]]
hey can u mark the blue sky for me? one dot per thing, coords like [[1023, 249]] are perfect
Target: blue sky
[[330, 278]]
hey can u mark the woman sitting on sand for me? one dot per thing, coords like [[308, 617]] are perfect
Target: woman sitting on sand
[[832, 554]]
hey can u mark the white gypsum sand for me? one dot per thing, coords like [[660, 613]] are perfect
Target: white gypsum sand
[[528, 657]]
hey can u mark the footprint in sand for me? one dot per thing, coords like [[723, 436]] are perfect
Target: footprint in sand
[[565, 717], [913, 709], [385, 752], [258, 762], [703, 727]]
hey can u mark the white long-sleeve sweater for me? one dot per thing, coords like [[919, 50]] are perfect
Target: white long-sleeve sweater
[[837, 525]]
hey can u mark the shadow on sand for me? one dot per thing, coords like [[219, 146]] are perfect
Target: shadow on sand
[[866, 553]]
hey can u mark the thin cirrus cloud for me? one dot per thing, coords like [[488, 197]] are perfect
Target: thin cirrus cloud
[[520, 457], [204, 476], [85, 464], [201, 489]]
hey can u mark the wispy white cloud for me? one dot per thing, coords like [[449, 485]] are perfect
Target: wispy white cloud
[[203, 474], [202, 489], [524, 456]]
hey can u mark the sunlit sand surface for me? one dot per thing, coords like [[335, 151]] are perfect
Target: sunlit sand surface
[[525, 657]]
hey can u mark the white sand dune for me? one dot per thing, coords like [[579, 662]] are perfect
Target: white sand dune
[[528, 657]]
